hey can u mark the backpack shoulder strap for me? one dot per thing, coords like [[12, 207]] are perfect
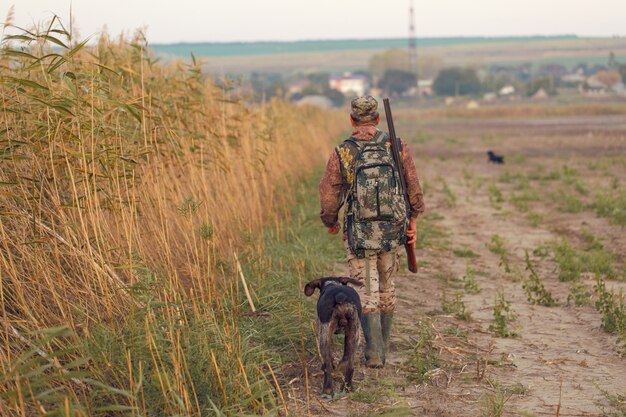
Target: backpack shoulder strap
[[386, 141], [380, 138]]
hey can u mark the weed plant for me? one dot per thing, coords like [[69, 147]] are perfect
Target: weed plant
[[573, 262], [422, 354], [535, 290], [493, 403], [464, 253], [569, 203], [455, 306], [611, 203], [498, 246], [579, 294], [503, 316], [470, 285], [612, 309]]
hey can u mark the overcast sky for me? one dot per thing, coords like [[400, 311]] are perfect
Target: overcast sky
[[255, 20]]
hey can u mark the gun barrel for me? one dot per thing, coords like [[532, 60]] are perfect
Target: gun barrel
[[395, 150]]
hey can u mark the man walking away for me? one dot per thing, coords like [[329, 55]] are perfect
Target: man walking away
[[361, 174]]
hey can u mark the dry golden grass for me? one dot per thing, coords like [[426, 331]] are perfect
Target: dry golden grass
[[125, 183]]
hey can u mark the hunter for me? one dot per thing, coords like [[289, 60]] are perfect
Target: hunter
[[373, 267]]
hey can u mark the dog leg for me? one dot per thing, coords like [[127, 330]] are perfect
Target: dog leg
[[350, 345], [326, 331]]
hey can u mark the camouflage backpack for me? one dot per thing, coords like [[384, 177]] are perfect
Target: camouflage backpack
[[376, 214]]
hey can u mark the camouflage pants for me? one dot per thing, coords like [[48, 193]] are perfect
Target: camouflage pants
[[376, 271]]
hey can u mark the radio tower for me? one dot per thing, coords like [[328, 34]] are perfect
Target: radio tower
[[412, 41]]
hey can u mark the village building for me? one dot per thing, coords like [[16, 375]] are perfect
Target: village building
[[507, 90], [425, 87], [350, 84]]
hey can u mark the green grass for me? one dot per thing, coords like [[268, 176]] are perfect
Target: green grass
[[217, 49], [572, 262], [298, 251], [611, 203], [464, 253], [569, 202], [428, 233]]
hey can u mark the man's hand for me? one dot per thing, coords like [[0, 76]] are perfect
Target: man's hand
[[334, 229], [411, 233]]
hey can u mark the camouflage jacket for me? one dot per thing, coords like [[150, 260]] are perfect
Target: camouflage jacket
[[336, 178]]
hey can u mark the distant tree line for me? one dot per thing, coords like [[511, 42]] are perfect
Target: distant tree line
[[391, 72]]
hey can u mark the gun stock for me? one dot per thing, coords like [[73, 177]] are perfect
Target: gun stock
[[395, 149]]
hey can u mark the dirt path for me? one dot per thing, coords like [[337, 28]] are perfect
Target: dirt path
[[561, 360]]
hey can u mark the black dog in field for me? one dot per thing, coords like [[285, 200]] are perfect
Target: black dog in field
[[496, 159], [338, 311]]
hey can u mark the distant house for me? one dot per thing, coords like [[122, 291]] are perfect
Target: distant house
[[619, 88], [575, 78], [507, 90], [297, 87], [593, 86], [425, 87], [541, 94], [350, 84]]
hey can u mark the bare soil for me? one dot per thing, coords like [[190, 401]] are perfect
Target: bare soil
[[561, 361]]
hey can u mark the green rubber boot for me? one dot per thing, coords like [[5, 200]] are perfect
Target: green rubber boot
[[373, 340], [386, 321]]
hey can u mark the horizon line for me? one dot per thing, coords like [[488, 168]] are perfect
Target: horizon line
[[536, 36]]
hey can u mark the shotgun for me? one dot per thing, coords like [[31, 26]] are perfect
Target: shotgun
[[395, 151]]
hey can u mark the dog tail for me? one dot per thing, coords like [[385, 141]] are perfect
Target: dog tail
[[340, 298]]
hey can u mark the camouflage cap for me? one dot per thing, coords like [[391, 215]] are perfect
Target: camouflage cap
[[364, 109]]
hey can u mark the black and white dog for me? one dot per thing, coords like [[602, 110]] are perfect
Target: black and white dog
[[338, 311]]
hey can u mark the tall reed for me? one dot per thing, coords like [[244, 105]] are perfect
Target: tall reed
[[126, 185]]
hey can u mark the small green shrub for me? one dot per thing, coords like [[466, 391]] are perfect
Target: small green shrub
[[502, 315], [569, 203], [493, 403], [568, 259], [455, 306], [498, 247], [578, 294], [612, 205], [470, 285], [573, 262], [535, 290], [613, 311], [423, 354]]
